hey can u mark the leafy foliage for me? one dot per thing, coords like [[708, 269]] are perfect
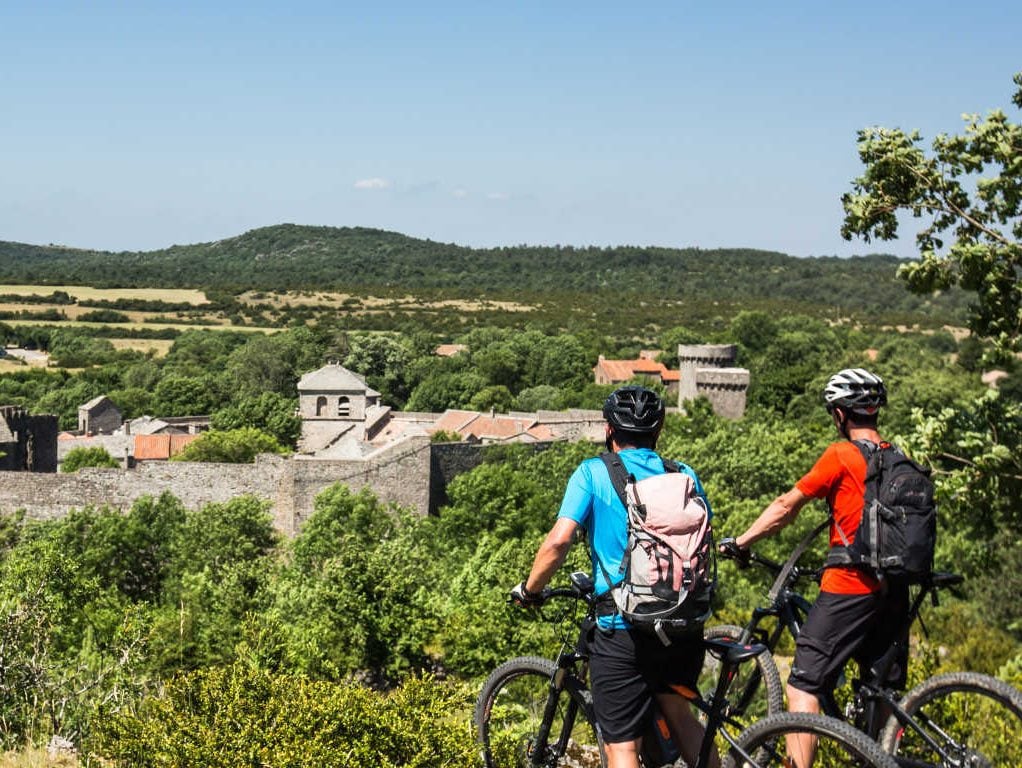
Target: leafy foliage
[[241, 715], [967, 190], [233, 446], [77, 458]]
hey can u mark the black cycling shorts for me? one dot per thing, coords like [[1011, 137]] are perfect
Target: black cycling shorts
[[843, 627], [627, 667]]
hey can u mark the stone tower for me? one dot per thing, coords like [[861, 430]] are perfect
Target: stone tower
[[333, 402], [708, 370]]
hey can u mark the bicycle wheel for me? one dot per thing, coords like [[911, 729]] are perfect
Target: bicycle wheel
[[975, 719], [839, 745], [510, 707], [756, 690]]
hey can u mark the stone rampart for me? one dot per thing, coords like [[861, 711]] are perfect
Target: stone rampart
[[398, 474]]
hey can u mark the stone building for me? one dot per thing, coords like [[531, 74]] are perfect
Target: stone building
[[708, 370], [339, 412], [27, 443], [644, 367], [99, 416]]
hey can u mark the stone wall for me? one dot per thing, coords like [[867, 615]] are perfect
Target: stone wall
[[398, 474], [726, 389], [707, 370], [33, 443]]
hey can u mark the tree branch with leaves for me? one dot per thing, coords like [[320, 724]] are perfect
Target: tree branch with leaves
[[967, 190]]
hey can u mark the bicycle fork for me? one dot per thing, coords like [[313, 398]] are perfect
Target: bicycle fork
[[541, 753]]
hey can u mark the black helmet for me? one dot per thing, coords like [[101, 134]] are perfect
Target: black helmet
[[634, 409], [856, 389]]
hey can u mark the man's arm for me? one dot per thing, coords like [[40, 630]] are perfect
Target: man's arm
[[778, 514], [551, 554]]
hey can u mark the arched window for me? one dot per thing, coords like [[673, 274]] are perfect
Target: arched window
[[343, 406], [320, 405]]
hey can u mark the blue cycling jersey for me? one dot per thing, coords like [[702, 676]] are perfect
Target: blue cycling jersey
[[591, 501]]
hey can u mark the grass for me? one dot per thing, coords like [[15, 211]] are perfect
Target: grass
[[223, 325], [159, 347], [36, 757], [337, 300], [173, 295]]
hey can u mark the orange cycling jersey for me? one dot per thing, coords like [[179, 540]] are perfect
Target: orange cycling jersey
[[839, 476]]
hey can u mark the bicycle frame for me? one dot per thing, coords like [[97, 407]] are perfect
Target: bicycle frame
[[571, 673], [790, 609]]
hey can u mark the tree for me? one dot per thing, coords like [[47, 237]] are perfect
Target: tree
[[969, 191], [77, 458], [269, 412], [234, 446]]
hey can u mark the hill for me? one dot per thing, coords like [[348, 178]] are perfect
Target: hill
[[293, 257]]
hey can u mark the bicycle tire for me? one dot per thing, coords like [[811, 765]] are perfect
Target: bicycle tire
[[976, 718], [839, 744], [510, 707], [756, 690]]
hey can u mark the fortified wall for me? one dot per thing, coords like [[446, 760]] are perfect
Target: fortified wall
[[28, 443], [709, 370], [399, 474]]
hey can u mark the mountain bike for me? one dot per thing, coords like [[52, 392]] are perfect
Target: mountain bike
[[534, 712], [952, 720]]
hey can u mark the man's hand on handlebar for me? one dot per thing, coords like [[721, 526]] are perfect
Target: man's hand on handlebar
[[523, 598], [729, 548]]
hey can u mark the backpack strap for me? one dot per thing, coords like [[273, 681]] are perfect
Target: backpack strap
[[839, 554], [619, 476]]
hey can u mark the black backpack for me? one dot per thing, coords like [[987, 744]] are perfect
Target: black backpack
[[898, 531]]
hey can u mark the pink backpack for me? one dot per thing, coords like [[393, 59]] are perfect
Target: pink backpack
[[668, 573]]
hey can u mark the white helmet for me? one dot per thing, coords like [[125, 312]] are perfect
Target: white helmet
[[856, 389]]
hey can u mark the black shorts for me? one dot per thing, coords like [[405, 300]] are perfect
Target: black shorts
[[843, 627], [627, 667]]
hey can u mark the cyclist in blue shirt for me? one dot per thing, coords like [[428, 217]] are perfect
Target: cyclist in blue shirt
[[627, 668]]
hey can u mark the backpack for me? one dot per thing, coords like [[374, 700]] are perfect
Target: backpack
[[898, 531], [668, 567]]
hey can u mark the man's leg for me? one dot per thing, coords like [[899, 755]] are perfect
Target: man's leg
[[685, 728], [802, 746], [623, 754]]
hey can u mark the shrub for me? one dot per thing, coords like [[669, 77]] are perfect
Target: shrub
[[243, 716], [78, 458]]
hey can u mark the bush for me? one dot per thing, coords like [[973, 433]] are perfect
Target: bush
[[233, 446], [78, 458], [243, 716]]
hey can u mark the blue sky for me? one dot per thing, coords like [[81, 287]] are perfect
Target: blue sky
[[138, 125]]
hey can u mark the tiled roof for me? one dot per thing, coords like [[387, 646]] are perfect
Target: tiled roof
[[160, 447], [92, 403], [449, 350], [491, 427], [332, 378], [623, 370]]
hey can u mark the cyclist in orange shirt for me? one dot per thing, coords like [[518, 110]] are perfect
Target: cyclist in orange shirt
[[856, 615]]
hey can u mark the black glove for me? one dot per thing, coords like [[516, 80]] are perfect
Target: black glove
[[523, 598], [729, 548]]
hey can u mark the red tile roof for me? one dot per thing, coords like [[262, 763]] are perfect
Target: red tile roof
[[622, 370], [495, 427], [160, 447]]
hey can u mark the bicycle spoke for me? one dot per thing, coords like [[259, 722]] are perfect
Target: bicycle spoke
[[509, 714], [960, 719]]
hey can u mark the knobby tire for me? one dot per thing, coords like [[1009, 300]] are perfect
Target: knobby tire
[[839, 744], [509, 709], [976, 718]]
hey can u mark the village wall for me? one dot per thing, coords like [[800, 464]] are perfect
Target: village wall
[[398, 474]]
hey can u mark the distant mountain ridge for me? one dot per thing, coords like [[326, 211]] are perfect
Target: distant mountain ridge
[[297, 257]]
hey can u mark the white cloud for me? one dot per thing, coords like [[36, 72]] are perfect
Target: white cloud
[[460, 193], [373, 183], [498, 196]]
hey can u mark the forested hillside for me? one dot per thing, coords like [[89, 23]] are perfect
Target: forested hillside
[[291, 257]]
